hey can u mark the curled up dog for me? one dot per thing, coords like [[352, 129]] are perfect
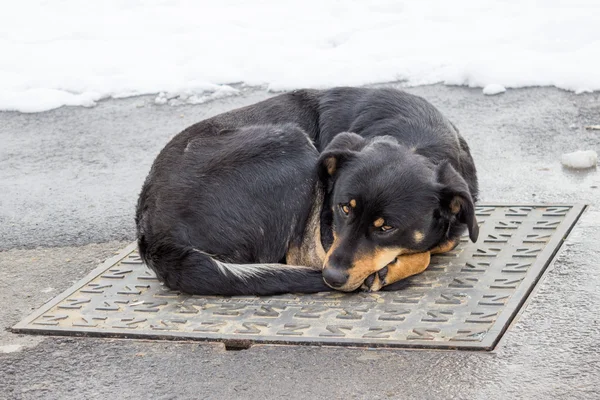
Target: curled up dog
[[344, 188]]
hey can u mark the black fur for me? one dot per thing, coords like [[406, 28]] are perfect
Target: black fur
[[237, 189]]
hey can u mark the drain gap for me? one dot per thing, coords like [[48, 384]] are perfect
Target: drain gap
[[237, 345]]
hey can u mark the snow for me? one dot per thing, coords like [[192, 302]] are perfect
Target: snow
[[210, 92], [493, 88], [72, 52], [580, 159]]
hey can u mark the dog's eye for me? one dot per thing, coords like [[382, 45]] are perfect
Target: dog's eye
[[345, 208], [386, 228]]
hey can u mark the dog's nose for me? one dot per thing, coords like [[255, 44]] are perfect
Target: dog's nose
[[335, 277]]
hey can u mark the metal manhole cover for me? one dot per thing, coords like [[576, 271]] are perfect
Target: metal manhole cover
[[465, 299]]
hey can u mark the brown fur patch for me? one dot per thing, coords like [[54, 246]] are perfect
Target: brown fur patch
[[378, 223], [353, 203], [334, 246], [331, 165], [309, 251], [455, 205]]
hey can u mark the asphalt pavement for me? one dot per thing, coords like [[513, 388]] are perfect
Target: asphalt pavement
[[69, 180]]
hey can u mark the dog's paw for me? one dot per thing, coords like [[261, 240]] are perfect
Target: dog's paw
[[375, 281]]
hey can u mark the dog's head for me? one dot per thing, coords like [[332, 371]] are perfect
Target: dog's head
[[386, 201]]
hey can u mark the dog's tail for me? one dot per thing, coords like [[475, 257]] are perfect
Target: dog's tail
[[195, 272]]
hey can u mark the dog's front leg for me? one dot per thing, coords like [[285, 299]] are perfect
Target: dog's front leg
[[404, 267], [401, 268], [444, 247]]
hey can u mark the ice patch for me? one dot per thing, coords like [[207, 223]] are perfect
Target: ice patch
[[191, 97], [493, 88], [58, 53], [10, 348], [580, 159]]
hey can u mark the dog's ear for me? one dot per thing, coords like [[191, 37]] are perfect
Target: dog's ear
[[455, 198], [342, 148]]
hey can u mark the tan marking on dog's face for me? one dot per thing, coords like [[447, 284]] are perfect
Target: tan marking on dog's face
[[353, 203], [378, 223], [418, 236]]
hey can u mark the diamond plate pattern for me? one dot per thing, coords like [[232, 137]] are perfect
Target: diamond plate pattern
[[465, 299]]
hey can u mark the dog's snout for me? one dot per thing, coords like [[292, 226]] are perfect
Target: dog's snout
[[335, 277]]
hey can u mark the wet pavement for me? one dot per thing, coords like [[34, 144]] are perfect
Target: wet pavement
[[69, 179]]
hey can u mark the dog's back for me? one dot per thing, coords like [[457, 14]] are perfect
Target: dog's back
[[215, 215]]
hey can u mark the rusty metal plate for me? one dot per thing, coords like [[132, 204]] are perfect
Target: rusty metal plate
[[465, 299]]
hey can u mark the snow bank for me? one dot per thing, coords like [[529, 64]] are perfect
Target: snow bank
[[580, 159], [73, 52]]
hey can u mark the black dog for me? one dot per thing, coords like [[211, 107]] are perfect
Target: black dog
[[280, 197]]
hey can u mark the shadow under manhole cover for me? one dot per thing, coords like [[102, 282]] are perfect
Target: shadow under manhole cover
[[465, 299]]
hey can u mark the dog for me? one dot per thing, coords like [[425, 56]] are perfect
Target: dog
[[307, 191]]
